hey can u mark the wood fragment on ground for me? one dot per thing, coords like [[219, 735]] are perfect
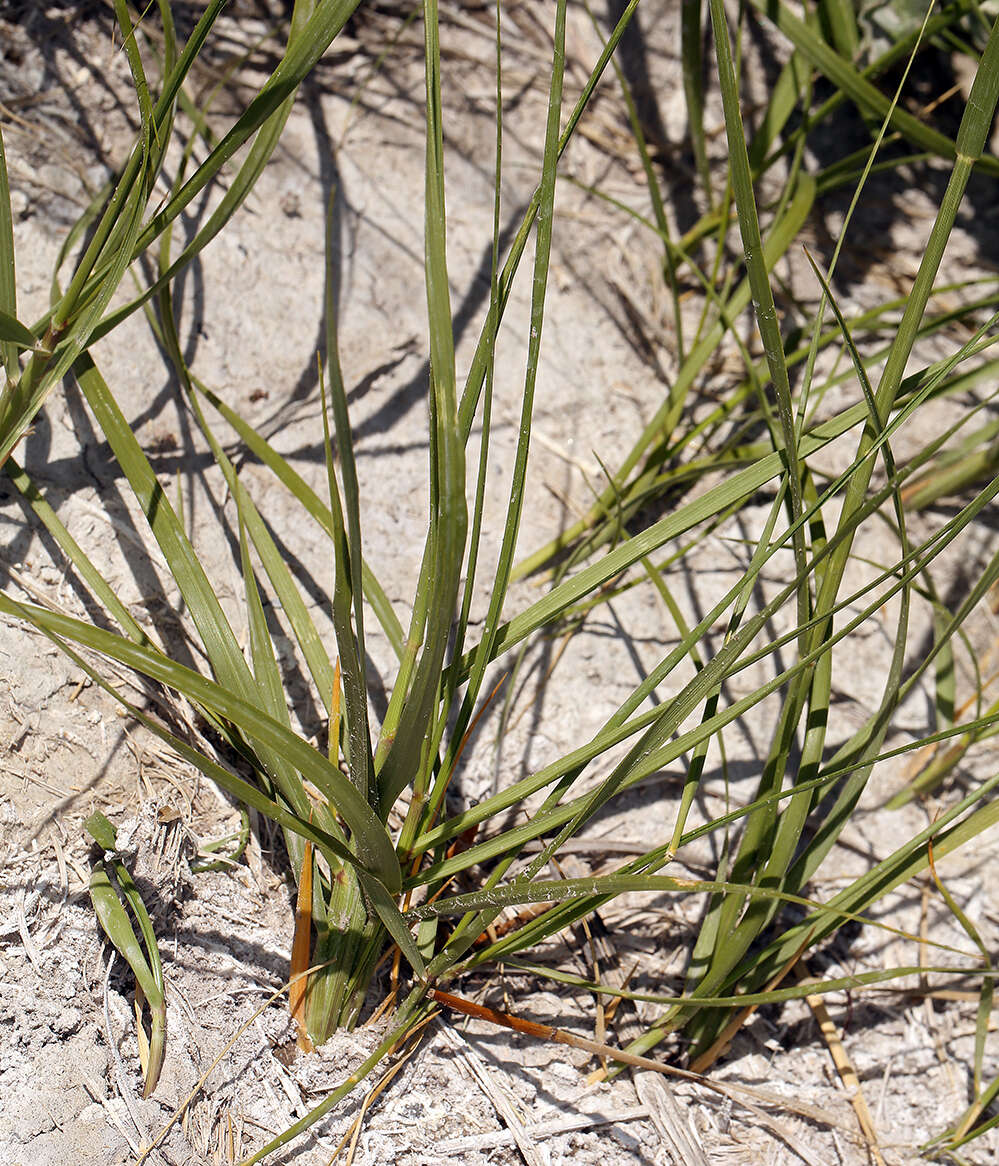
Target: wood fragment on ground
[[672, 1125], [570, 1123], [497, 1092]]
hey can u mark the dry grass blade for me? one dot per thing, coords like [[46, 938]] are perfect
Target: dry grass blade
[[354, 1130], [300, 950], [851, 1082], [542, 1129], [497, 1092], [672, 1124], [394, 1037], [742, 1094]]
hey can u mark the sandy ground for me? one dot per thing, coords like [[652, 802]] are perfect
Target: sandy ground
[[252, 323]]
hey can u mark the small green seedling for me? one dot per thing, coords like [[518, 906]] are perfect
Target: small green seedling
[[110, 886]]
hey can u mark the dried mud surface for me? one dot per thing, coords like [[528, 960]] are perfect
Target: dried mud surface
[[251, 325]]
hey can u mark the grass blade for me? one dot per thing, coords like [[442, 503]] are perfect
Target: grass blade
[[12, 333], [437, 591], [109, 878], [373, 845]]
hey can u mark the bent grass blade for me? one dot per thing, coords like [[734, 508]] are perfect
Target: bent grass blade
[[110, 885]]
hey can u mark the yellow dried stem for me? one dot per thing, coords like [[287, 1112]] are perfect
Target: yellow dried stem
[[300, 949]]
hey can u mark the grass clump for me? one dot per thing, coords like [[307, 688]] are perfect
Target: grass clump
[[374, 845]]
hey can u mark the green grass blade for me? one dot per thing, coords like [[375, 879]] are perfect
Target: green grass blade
[[947, 834], [849, 81], [781, 840], [311, 503], [759, 278], [783, 101], [333, 846], [781, 236], [374, 848], [81, 562], [314, 26], [235, 195], [12, 334], [15, 335], [561, 917], [643, 762], [652, 180], [216, 635], [727, 493], [515, 503], [110, 877], [306, 45], [270, 695], [64, 340], [358, 739], [842, 27], [519, 894], [347, 586], [131, 48], [858, 981], [304, 629], [489, 335], [439, 583], [692, 62], [810, 859], [477, 369], [971, 138], [146, 965]]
